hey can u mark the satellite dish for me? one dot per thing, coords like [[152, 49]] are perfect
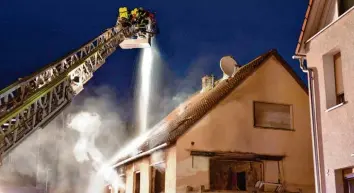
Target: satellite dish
[[228, 66]]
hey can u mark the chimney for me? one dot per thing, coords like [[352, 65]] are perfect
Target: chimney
[[207, 82]]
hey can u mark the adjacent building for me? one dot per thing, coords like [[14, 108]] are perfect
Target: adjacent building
[[249, 132], [326, 45]]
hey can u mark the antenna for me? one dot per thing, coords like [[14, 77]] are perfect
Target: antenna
[[228, 66]]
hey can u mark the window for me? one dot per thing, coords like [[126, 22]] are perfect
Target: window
[[337, 60], [345, 180], [270, 115], [137, 182], [345, 5], [234, 175], [333, 79], [158, 178]]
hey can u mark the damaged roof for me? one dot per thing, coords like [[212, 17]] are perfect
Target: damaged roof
[[192, 110]]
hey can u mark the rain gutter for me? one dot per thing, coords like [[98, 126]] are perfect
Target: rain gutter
[[140, 155]]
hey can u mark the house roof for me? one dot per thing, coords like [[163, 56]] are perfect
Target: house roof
[[192, 110], [312, 24], [303, 28]]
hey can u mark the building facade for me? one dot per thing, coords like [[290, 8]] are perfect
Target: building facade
[[248, 133], [326, 44]]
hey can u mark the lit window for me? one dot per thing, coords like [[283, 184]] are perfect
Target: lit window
[[345, 5], [270, 115], [338, 78]]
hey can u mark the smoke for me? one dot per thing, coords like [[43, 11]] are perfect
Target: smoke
[[73, 152], [54, 158], [157, 159], [88, 125], [170, 89]]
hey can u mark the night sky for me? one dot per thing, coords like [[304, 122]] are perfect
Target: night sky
[[36, 32]]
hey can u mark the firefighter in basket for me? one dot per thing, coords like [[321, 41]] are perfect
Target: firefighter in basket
[[124, 17], [137, 17]]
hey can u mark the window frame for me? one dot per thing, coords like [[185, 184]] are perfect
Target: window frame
[[275, 128], [340, 97], [153, 172], [135, 185], [333, 100], [347, 177], [225, 159], [341, 9]]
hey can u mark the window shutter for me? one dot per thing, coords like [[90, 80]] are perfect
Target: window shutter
[[270, 115], [338, 74]]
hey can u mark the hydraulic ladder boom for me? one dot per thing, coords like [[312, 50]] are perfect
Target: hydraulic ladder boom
[[33, 101]]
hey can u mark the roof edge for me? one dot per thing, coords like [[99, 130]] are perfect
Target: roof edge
[[141, 155], [304, 27], [291, 71]]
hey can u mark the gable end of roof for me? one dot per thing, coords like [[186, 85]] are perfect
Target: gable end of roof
[[196, 111]]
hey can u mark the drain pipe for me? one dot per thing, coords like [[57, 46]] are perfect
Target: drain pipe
[[314, 126]]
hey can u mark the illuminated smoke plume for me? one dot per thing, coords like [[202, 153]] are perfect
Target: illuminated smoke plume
[[88, 125], [56, 158], [157, 159], [47, 158], [169, 90]]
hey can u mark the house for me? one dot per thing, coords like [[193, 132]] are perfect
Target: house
[[325, 48], [247, 132]]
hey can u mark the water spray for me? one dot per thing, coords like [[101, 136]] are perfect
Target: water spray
[[145, 81], [88, 124]]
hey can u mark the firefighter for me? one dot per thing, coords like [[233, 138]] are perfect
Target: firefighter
[[151, 16], [124, 16], [142, 12], [142, 20], [134, 14], [123, 13]]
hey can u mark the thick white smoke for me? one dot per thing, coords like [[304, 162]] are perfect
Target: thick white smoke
[[88, 124], [54, 159], [169, 89], [69, 155], [157, 159]]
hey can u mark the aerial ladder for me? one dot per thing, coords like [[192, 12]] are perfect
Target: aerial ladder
[[33, 101]]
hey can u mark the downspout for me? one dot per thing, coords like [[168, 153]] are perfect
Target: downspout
[[314, 126]]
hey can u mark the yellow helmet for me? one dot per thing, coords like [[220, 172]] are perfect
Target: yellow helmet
[[123, 9], [134, 11]]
